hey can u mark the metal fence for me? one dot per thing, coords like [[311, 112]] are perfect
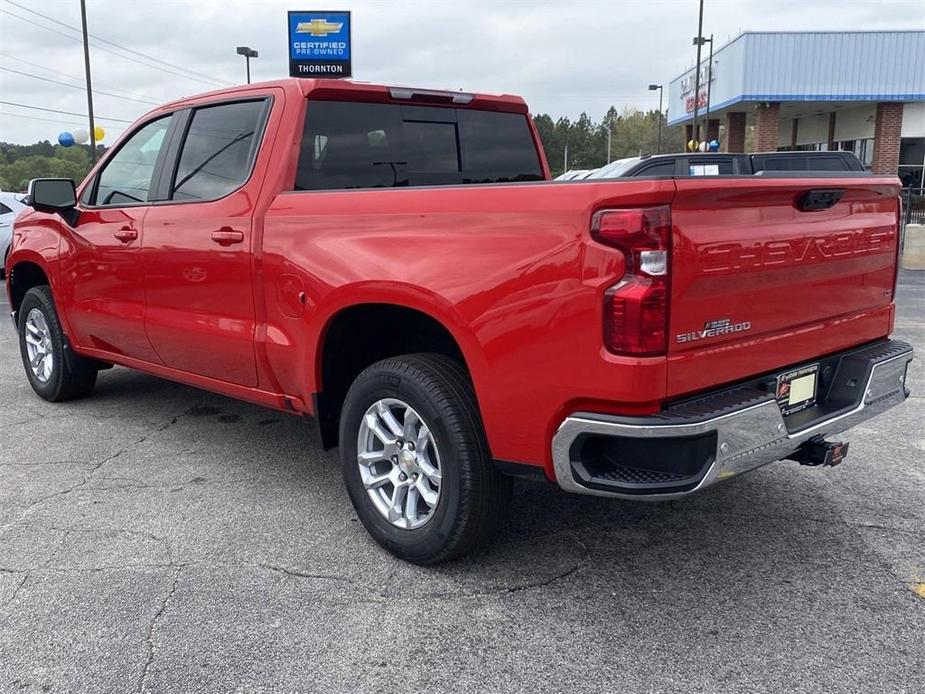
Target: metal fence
[[913, 206]]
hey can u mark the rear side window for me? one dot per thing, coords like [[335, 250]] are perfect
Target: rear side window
[[4, 209], [360, 145], [218, 151]]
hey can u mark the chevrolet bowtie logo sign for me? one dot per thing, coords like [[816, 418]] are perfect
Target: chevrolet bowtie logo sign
[[319, 44], [319, 27]]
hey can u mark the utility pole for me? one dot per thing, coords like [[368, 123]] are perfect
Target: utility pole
[[609, 137], [83, 24], [709, 84], [565, 160], [698, 41], [652, 88]]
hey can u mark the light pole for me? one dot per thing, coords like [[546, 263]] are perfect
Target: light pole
[[709, 84], [248, 53], [652, 88], [698, 41]]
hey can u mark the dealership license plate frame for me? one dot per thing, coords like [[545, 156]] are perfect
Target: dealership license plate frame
[[797, 389]]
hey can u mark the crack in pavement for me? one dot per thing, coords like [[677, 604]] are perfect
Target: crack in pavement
[[501, 590], [96, 466], [85, 463], [149, 640], [301, 574], [16, 589]]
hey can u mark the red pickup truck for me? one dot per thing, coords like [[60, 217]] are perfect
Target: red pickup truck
[[395, 263]]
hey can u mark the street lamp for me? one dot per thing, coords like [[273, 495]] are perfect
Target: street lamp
[[698, 41], [248, 53], [709, 83], [652, 88]]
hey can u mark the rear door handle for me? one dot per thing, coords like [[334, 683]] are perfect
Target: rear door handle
[[126, 235], [227, 236]]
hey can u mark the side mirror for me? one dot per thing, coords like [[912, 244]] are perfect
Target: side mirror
[[54, 195]]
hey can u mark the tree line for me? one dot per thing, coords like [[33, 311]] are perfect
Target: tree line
[[21, 163], [632, 132]]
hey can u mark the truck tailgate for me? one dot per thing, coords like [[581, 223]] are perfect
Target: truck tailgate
[[758, 282]]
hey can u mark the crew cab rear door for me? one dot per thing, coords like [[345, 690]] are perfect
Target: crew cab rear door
[[200, 313], [766, 272]]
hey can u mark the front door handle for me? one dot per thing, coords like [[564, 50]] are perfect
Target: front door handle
[[227, 236], [126, 235]]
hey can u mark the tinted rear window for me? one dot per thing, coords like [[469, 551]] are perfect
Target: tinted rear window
[[360, 145]]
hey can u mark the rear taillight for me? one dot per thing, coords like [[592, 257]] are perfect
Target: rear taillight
[[636, 308]]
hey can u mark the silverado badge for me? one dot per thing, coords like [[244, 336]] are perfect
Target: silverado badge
[[714, 328]]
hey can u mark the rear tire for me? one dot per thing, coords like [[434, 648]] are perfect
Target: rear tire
[[54, 371], [459, 496]]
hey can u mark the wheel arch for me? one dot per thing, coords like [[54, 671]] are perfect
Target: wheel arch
[[25, 273], [402, 327]]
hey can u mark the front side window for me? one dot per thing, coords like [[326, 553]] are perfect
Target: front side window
[[218, 151], [366, 145], [127, 177]]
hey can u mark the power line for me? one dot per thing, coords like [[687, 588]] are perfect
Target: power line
[[69, 76], [212, 84], [68, 113], [109, 129], [116, 45], [74, 86]]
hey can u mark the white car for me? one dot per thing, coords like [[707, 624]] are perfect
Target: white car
[[10, 205], [573, 174]]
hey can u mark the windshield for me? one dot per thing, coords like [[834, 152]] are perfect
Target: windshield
[[615, 168]]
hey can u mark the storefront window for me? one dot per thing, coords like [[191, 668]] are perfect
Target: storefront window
[[862, 149], [912, 162]]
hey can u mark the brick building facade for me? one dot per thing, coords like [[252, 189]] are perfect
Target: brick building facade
[[793, 90]]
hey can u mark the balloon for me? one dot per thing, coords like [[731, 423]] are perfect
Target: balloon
[[65, 139], [692, 145], [714, 145], [81, 136], [702, 147], [98, 133]]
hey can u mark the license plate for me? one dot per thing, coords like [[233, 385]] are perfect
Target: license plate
[[796, 390]]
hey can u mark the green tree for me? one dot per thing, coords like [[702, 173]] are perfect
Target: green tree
[[632, 132], [21, 163]]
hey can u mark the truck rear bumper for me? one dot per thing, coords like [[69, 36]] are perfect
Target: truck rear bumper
[[693, 444]]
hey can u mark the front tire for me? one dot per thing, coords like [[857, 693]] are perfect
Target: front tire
[[416, 462], [54, 371]]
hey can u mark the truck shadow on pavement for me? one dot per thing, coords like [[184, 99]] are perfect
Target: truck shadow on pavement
[[225, 521], [225, 483]]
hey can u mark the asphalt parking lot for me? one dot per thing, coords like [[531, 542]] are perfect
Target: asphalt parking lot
[[154, 537]]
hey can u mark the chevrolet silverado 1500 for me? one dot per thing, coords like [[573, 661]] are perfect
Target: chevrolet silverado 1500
[[396, 263]]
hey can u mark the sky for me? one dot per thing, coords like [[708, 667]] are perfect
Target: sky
[[565, 57]]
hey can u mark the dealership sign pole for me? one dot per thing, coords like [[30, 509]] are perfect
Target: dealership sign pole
[[319, 44]]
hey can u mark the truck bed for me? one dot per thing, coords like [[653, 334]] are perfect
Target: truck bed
[[514, 274]]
